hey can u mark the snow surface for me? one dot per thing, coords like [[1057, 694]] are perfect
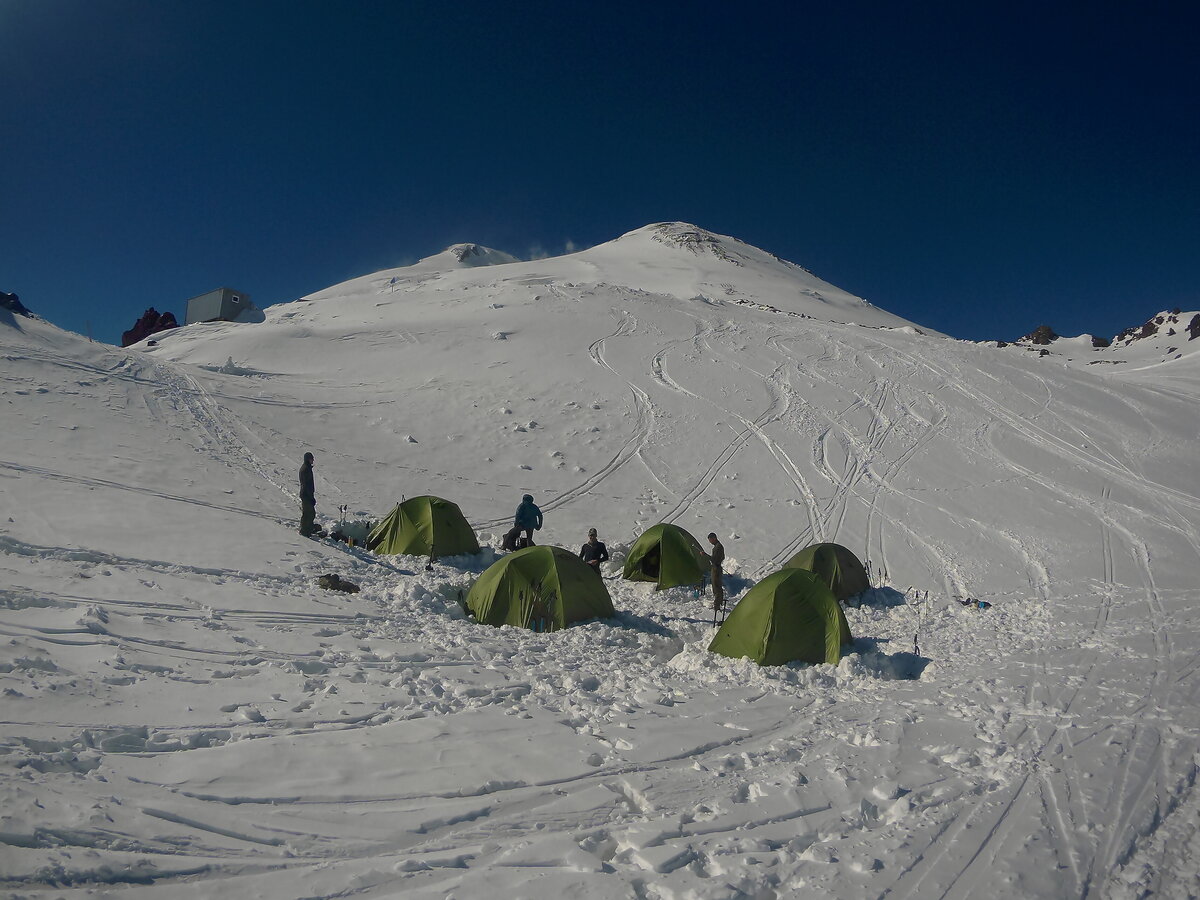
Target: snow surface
[[185, 714]]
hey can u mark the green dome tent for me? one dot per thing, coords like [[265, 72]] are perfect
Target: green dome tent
[[668, 555], [543, 588], [834, 565], [788, 616], [424, 526]]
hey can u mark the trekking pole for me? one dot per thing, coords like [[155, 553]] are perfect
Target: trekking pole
[[548, 624], [916, 608]]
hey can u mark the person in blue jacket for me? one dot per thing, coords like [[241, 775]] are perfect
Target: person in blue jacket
[[528, 519]]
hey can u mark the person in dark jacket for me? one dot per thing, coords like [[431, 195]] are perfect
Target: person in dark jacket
[[308, 497], [717, 558], [594, 552], [528, 519]]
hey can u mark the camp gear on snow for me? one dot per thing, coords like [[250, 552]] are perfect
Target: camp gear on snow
[[544, 586], [788, 616], [977, 604], [356, 532], [424, 526], [668, 555], [836, 566], [514, 540], [334, 582], [509, 542]]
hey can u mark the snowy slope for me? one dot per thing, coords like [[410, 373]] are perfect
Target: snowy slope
[[186, 714]]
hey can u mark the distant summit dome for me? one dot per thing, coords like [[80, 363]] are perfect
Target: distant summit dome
[[467, 256], [679, 234], [700, 242]]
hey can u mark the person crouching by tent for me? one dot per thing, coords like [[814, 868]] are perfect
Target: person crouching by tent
[[594, 552], [527, 519], [717, 557], [308, 498]]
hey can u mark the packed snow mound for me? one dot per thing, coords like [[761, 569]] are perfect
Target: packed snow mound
[[466, 256]]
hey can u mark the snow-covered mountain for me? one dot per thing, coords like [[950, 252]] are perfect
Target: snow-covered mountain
[[1163, 338], [463, 256], [187, 714]]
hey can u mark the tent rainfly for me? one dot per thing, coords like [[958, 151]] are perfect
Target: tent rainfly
[[834, 565], [787, 617], [424, 526], [667, 555], [543, 588]]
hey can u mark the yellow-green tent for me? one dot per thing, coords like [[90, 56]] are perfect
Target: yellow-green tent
[[424, 526], [543, 588], [834, 565], [787, 617], [667, 555]]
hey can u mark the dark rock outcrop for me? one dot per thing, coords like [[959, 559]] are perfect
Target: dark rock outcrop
[[13, 304], [1194, 327], [1156, 324], [1042, 335], [151, 322], [1100, 342]]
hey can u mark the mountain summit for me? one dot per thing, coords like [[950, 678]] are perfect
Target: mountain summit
[[465, 256], [668, 259]]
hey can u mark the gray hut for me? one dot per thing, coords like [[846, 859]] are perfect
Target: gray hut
[[223, 304]]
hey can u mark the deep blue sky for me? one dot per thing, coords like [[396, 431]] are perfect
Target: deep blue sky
[[978, 167]]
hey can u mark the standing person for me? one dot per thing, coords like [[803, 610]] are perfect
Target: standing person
[[528, 519], [594, 552], [308, 497], [717, 558]]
